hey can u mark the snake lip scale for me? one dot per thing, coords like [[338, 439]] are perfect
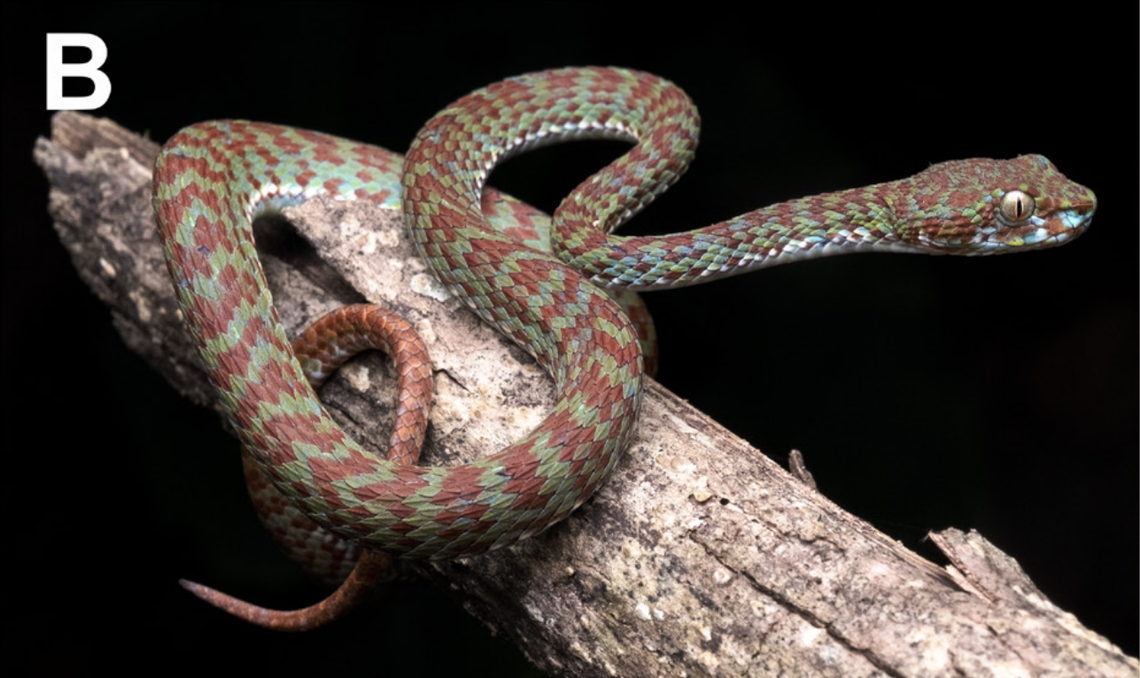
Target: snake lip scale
[[535, 280]]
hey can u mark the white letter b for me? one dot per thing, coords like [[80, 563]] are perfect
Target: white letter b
[[57, 70]]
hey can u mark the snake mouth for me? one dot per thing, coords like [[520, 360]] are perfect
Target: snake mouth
[[1038, 233], [1078, 218]]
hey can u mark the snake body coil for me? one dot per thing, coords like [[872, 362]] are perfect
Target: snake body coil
[[211, 178]]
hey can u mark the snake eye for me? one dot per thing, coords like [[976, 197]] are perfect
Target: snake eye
[[1017, 206]]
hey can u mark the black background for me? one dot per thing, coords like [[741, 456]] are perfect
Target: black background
[[997, 393]]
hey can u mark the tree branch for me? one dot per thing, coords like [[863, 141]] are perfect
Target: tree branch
[[699, 557]]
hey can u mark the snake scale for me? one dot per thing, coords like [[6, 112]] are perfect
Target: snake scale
[[544, 292]]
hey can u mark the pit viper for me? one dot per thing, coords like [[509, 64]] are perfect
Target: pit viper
[[542, 289]]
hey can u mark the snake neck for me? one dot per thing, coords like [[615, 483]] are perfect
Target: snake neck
[[821, 225]]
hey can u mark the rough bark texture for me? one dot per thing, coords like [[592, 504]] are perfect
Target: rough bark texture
[[699, 557]]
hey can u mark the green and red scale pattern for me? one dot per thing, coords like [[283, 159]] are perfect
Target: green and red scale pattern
[[212, 177]]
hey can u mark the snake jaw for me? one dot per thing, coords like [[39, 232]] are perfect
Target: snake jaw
[[1043, 232]]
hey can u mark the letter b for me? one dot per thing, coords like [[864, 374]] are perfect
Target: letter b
[[57, 70]]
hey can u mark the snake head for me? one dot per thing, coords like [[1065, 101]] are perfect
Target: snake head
[[983, 206]]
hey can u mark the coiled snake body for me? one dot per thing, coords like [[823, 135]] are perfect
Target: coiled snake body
[[212, 177]]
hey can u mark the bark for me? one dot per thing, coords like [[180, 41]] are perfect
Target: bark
[[699, 557]]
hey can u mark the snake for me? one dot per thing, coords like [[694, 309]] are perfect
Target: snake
[[543, 288], [326, 344]]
